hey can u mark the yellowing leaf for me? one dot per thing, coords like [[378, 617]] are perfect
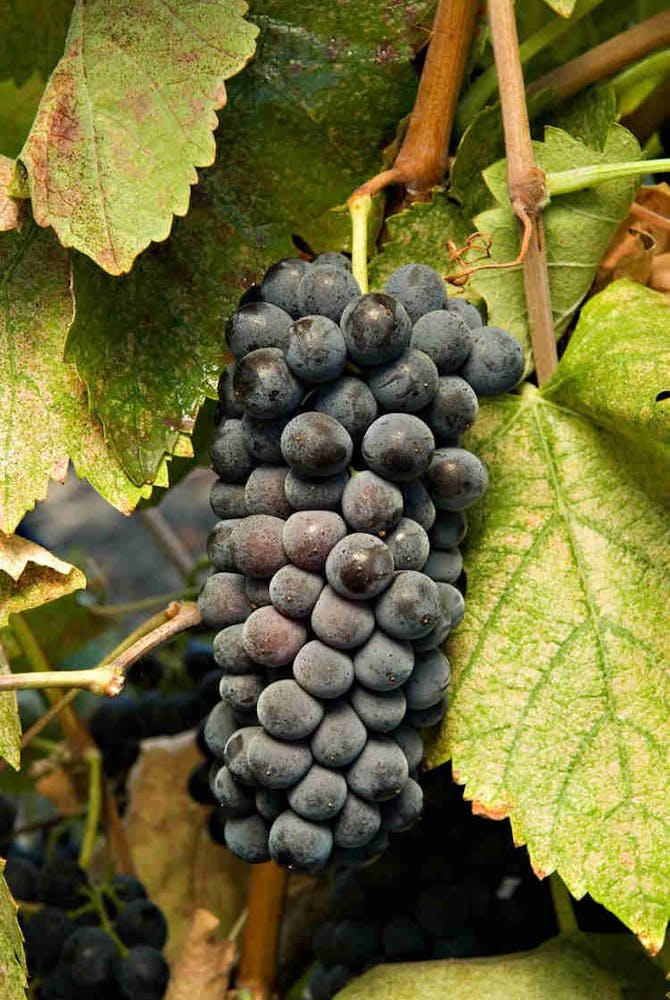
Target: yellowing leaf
[[560, 716], [10, 724], [31, 575], [126, 118], [12, 960], [10, 208]]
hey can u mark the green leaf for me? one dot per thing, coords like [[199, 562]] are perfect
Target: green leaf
[[126, 118], [44, 412], [17, 110], [13, 981], [560, 717], [622, 335], [420, 234], [308, 117], [10, 723], [562, 7], [555, 971], [32, 37], [578, 229], [588, 116]]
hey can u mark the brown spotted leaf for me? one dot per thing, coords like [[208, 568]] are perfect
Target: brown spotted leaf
[[31, 575], [127, 116], [10, 208]]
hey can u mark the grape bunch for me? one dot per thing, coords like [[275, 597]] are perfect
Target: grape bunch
[[84, 939], [341, 490]]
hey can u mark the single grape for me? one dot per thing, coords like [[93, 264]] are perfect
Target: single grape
[[229, 652], [287, 712], [326, 290], [316, 351], [236, 799], [264, 492], [22, 878], [418, 287], [315, 444], [310, 535], [219, 727], [357, 823], [349, 401], [223, 601], [410, 607], [271, 639], [319, 795], [90, 955], [380, 711], [141, 922], [241, 691], [257, 325], [257, 545], [445, 566], [227, 499], [298, 844], [270, 802], [247, 838], [429, 681], [280, 285], [404, 941], [355, 942], [445, 337], [235, 754], [417, 504], [402, 812], [449, 530], [398, 446], [262, 438], [227, 403], [276, 764], [295, 591], [142, 974], [456, 478], [376, 329], [314, 494], [359, 566], [422, 718], [258, 591], [264, 384], [45, 933], [469, 313], [340, 737], [383, 664], [436, 637], [323, 672], [229, 455], [409, 545], [332, 257], [406, 384], [380, 771], [495, 363], [219, 551], [370, 503], [340, 623], [410, 743], [452, 600]]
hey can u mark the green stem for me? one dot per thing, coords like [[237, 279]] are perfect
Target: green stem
[[359, 210], [655, 65], [562, 900], [96, 680], [565, 181], [485, 86], [105, 922], [129, 607], [94, 806]]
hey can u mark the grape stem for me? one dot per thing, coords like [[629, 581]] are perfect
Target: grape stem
[[607, 58], [109, 677], [93, 805], [565, 181], [525, 184], [359, 211], [258, 956], [422, 160], [562, 902]]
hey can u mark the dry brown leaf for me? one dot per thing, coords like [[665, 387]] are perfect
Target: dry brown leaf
[[639, 242], [182, 869], [202, 971]]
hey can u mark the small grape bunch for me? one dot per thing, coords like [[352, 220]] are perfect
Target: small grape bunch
[[341, 490]]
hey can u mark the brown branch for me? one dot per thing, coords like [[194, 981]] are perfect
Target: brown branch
[[423, 157], [607, 58], [258, 957], [525, 183]]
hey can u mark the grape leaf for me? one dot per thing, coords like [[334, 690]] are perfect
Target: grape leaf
[[10, 723], [127, 116], [562, 7], [578, 229], [10, 208], [31, 575], [13, 975], [560, 717], [308, 116], [556, 970]]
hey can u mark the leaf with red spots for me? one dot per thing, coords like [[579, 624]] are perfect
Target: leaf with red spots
[[126, 118]]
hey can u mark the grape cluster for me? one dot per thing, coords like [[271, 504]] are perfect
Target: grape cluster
[[341, 489], [82, 939], [460, 889]]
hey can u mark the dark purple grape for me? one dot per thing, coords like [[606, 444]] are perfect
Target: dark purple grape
[[287, 712], [271, 639], [298, 844], [429, 681], [340, 737], [276, 764], [264, 492], [295, 591], [410, 607], [445, 566], [310, 535], [449, 530], [402, 812], [410, 743], [452, 600], [469, 313], [219, 551], [257, 545], [237, 800], [326, 290], [280, 284], [323, 672], [320, 795], [228, 454], [454, 408], [257, 325], [398, 446], [376, 328], [227, 499], [236, 754], [241, 691], [270, 802], [143, 972], [418, 505], [380, 772], [495, 363], [314, 444], [247, 838], [379, 711], [407, 384], [340, 623], [227, 403], [219, 727], [349, 401], [257, 590], [383, 664], [422, 718], [229, 652], [332, 258], [370, 503], [358, 822], [445, 337], [418, 287], [223, 601], [314, 494], [456, 478], [359, 566], [265, 386], [316, 351], [262, 438], [409, 545]]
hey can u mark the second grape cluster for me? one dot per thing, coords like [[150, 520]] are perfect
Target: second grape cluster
[[341, 493]]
